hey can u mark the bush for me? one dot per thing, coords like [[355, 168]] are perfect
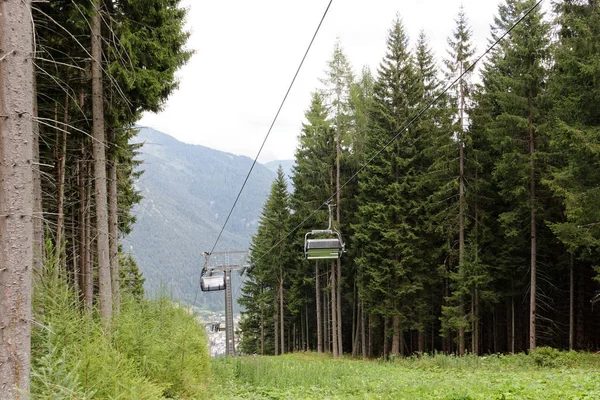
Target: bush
[[167, 345], [156, 350]]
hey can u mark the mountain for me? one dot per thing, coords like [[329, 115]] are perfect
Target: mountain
[[188, 191]]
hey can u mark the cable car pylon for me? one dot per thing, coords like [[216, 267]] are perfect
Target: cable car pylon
[[216, 276], [327, 248]]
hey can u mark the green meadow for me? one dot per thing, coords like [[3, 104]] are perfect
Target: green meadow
[[545, 374]]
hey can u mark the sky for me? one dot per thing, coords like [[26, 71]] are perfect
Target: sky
[[246, 53]]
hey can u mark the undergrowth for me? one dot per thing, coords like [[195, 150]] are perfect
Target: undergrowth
[[154, 350], [544, 374]]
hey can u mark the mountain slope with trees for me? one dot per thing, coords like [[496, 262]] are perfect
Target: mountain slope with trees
[[187, 193]]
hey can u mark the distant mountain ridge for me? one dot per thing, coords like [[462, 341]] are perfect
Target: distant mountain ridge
[[188, 191]]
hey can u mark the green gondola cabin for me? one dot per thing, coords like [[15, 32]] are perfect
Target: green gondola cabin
[[320, 249]]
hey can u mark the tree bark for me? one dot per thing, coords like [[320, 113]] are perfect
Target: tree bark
[[386, 346], [99, 154], [421, 337], [334, 336], [533, 291], [59, 249], [275, 330], [89, 252], [354, 331], [461, 229], [571, 302], [83, 219], [363, 332], [370, 333], [281, 320], [38, 217], [396, 335], [318, 301], [16, 195], [326, 319], [262, 333], [475, 328], [113, 223], [75, 255]]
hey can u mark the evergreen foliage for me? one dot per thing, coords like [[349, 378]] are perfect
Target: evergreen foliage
[[486, 203], [265, 291]]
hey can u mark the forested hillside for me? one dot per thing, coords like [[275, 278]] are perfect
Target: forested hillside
[[472, 225], [74, 79], [187, 191]]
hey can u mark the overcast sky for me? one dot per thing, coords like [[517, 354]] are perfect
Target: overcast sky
[[247, 53]]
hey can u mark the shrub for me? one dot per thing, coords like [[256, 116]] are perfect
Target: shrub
[[156, 350]]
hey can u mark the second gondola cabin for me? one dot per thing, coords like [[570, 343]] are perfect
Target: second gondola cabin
[[212, 283]]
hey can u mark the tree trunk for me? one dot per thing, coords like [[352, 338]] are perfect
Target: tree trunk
[[38, 218], [113, 223], [386, 346], [357, 338], [370, 333], [571, 302], [396, 336], [354, 331], [363, 332], [512, 317], [421, 338], [580, 329], [89, 254], [533, 292], [99, 154], [318, 301], [262, 333], [307, 326], [75, 256], [475, 345], [275, 329], [60, 168], [83, 219], [338, 307], [16, 195], [338, 199], [334, 336], [461, 229], [303, 321], [281, 320], [326, 321]]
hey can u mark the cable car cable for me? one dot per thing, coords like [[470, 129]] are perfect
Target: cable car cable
[[416, 117], [272, 124]]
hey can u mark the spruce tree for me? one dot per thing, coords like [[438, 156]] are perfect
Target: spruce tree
[[460, 54], [384, 229], [338, 83], [515, 79], [271, 261], [574, 93], [315, 156]]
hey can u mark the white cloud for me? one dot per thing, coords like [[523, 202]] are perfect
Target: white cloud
[[247, 53]]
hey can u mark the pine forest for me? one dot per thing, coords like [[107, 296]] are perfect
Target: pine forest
[[464, 185], [470, 226]]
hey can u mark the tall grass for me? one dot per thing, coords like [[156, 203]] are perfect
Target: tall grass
[[155, 350], [544, 374]]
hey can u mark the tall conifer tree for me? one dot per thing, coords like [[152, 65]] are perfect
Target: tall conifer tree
[[515, 78]]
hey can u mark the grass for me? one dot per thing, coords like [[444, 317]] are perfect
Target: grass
[[154, 349], [549, 374]]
